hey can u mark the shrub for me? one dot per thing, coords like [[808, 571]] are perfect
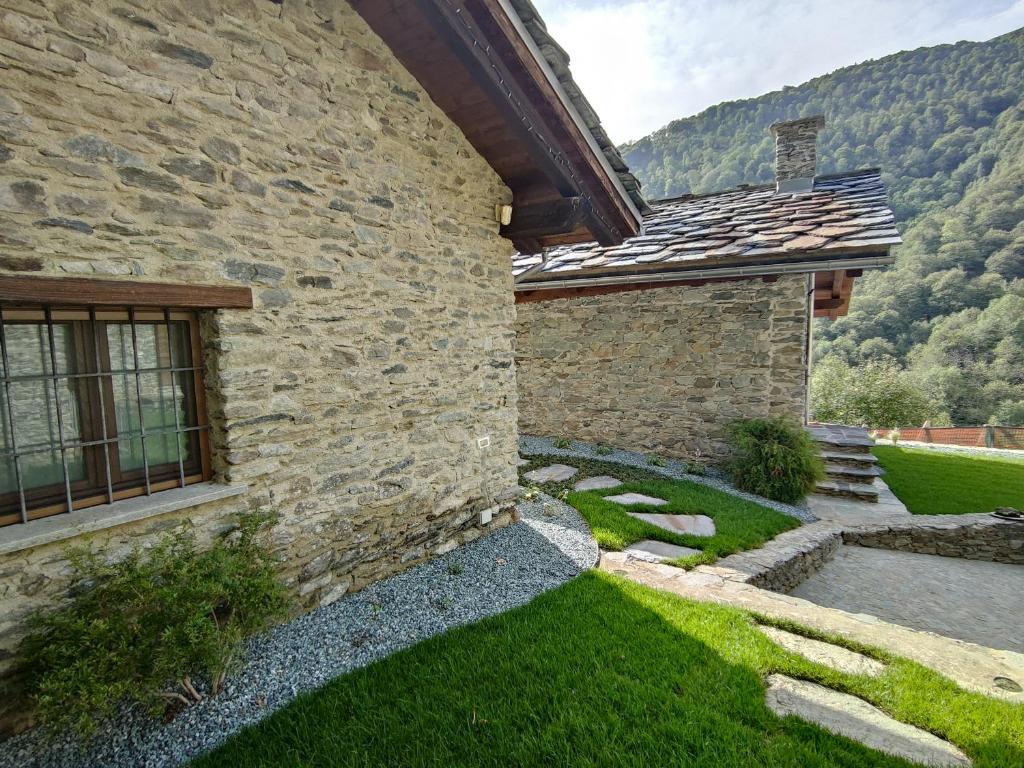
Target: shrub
[[144, 626], [602, 450], [562, 442], [656, 461], [878, 393], [774, 458], [695, 468]]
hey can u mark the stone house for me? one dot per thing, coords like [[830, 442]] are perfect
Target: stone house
[[704, 318], [254, 254]]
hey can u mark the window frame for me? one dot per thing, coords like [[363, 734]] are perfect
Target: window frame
[[96, 409]]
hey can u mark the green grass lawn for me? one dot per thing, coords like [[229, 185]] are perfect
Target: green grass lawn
[[739, 524], [935, 483], [604, 672]]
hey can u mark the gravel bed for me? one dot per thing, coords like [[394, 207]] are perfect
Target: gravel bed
[[549, 546], [530, 444]]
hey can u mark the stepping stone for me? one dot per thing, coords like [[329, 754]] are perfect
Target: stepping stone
[[596, 483], [522, 462], [825, 653], [652, 551], [554, 473], [855, 719], [627, 499], [691, 525]]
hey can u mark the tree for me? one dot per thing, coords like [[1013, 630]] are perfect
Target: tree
[[1009, 414], [946, 126], [878, 394]]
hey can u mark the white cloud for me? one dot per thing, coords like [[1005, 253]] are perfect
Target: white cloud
[[643, 63]]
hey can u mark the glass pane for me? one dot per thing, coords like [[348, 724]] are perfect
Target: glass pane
[[181, 344], [28, 349], [45, 468], [161, 394], [126, 404], [8, 478], [159, 347], [153, 352], [129, 453], [35, 412], [119, 342]]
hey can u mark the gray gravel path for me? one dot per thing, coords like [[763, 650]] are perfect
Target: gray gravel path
[[549, 546], [530, 444]]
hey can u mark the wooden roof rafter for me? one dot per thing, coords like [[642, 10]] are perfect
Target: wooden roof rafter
[[477, 62]]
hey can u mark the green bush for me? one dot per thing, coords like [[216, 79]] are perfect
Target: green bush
[[774, 458], [602, 450], [144, 626], [562, 442], [655, 460]]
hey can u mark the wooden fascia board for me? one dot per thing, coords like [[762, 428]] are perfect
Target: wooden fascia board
[[766, 263], [611, 220]]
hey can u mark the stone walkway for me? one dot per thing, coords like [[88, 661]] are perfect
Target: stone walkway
[[966, 599], [856, 719], [971, 666]]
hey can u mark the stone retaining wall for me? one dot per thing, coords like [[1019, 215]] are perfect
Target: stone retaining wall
[[973, 537], [785, 561], [663, 370], [282, 147]]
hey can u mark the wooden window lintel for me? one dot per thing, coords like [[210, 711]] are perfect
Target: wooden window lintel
[[104, 293]]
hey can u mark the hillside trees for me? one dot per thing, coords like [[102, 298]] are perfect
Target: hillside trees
[[946, 125]]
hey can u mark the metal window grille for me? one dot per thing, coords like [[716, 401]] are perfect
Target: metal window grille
[[85, 416]]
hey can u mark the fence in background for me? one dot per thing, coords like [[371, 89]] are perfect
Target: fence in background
[[978, 437]]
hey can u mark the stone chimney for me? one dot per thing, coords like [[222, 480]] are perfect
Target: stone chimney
[[795, 153]]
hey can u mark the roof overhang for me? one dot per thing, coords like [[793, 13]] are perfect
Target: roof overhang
[[833, 280], [479, 64]]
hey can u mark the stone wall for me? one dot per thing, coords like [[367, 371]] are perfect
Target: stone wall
[[282, 147], [786, 561], [663, 370], [973, 537]]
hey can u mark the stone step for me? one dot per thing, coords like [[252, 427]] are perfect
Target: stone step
[[850, 459], [850, 474], [858, 720], [859, 491], [845, 445]]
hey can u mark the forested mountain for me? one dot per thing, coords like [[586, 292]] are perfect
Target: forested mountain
[[946, 125]]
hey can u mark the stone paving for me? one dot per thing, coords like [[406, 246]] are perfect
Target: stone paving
[[971, 666], [629, 499], [856, 719], [688, 525], [553, 473], [970, 600], [827, 654], [597, 483], [658, 551]]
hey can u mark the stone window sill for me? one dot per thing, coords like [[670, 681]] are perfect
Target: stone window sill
[[14, 538]]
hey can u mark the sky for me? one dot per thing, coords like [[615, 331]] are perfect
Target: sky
[[643, 63]]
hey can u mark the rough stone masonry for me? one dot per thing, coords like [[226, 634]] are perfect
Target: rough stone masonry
[[666, 369], [280, 146]]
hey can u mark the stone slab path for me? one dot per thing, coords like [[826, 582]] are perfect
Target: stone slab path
[[856, 719], [658, 551], [629, 499], [690, 525], [826, 654], [553, 473], [971, 666], [972, 600], [597, 483]]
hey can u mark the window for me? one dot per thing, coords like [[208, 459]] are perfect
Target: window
[[97, 405]]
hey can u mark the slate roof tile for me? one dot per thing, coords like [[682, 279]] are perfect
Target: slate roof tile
[[843, 212]]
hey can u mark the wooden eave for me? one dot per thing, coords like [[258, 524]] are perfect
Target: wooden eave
[[478, 66]]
